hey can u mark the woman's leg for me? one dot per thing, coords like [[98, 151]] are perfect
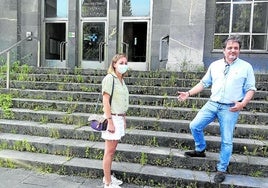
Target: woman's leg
[[110, 147]]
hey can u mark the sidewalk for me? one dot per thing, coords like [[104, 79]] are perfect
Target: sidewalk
[[21, 178]]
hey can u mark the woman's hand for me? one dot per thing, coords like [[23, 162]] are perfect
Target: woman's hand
[[110, 127]]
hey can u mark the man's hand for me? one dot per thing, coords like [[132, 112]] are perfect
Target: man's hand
[[237, 107], [183, 96]]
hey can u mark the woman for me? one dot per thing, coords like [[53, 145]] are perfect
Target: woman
[[115, 112]]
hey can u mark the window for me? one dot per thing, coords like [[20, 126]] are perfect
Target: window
[[136, 8], [56, 9], [247, 18], [94, 8]]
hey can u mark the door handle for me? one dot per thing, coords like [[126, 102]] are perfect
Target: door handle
[[100, 51], [62, 47], [127, 46]]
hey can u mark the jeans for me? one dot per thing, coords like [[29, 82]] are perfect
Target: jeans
[[227, 121]]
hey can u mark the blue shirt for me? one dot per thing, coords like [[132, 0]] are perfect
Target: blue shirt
[[232, 86]]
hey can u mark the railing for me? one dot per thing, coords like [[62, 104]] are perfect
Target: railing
[[101, 50], [7, 51], [163, 48]]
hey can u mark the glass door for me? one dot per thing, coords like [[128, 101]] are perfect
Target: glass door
[[93, 33], [93, 45], [55, 16], [134, 33]]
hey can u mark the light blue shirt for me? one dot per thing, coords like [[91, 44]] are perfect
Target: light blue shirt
[[120, 98], [232, 86]]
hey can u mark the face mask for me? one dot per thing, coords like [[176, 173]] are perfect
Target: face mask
[[122, 68]]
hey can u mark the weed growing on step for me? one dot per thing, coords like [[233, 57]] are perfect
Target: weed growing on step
[[54, 133], [256, 173], [143, 159], [77, 71], [6, 105], [152, 142], [87, 152], [72, 108], [3, 145], [7, 163], [44, 120], [80, 79], [68, 119], [24, 145], [68, 153]]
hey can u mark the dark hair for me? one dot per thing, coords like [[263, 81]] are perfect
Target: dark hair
[[234, 38]]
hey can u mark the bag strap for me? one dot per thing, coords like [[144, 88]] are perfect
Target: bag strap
[[111, 97]]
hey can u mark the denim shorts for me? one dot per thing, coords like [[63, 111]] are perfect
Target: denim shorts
[[119, 129]]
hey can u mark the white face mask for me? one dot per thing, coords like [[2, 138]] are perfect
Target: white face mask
[[122, 68]]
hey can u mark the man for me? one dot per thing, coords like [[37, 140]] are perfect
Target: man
[[232, 84]]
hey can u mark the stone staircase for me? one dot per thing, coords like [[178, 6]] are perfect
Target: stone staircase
[[44, 126]]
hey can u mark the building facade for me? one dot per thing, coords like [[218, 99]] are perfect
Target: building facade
[[155, 34]]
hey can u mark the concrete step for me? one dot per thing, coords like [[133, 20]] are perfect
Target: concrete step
[[89, 87], [133, 136], [145, 155], [160, 111], [128, 172], [148, 100]]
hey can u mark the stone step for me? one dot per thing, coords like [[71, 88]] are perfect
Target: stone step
[[260, 77], [49, 116], [145, 155], [134, 110], [128, 172], [167, 101], [133, 136], [138, 90]]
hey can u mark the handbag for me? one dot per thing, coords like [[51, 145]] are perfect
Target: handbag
[[97, 121]]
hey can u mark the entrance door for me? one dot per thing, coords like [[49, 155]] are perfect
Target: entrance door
[[134, 33], [135, 43], [93, 33], [93, 46], [54, 39]]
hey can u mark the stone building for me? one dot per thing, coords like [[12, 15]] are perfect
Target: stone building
[[155, 34]]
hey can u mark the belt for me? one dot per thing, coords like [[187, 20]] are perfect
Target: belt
[[119, 114], [222, 103], [227, 103]]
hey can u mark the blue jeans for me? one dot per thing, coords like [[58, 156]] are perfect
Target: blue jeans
[[227, 121]]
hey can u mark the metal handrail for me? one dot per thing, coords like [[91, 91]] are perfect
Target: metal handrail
[[15, 45], [127, 46], [166, 40], [100, 51], [62, 47]]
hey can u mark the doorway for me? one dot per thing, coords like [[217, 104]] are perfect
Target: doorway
[[135, 35], [54, 38], [93, 45]]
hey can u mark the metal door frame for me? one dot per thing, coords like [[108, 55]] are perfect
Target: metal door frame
[[44, 21]]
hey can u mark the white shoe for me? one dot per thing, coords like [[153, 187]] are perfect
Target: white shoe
[[115, 181], [111, 185]]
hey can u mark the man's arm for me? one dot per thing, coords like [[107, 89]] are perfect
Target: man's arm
[[240, 105]]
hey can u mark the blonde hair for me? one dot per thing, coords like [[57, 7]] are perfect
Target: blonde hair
[[114, 60]]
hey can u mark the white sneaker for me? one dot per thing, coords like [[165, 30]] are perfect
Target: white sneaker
[[111, 185], [115, 181]]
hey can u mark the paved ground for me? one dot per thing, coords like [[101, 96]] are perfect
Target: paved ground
[[20, 178]]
